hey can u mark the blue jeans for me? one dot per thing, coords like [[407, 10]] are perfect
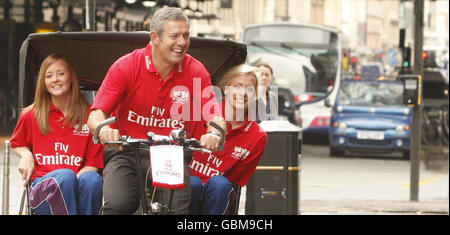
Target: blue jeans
[[60, 192], [215, 197]]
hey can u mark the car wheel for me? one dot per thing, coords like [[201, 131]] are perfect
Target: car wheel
[[336, 152]]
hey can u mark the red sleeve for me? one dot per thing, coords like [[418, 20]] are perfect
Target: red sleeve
[[209, 104], [113, 89], [244, 170], [22, 135], [93, 154], [210, 107]]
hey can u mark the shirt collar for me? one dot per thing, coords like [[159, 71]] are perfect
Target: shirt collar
[[244, 128]]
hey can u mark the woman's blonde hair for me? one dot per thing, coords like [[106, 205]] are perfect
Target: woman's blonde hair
[[239, 70], [78, 106]]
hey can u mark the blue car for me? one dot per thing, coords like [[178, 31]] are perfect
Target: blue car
[[369, 116], [372, 71]]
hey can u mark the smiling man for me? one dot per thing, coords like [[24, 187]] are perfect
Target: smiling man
[[140, 89]]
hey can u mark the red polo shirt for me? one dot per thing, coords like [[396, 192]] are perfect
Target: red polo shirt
[[134, 92], [63, 147], [244, 147]]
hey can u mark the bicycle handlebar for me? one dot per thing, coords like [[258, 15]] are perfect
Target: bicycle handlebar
[[222, 136], [179, 136]]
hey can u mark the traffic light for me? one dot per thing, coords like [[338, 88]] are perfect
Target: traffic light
[[407, 57], [424, 55]]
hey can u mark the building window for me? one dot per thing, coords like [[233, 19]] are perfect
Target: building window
[[226, 3]]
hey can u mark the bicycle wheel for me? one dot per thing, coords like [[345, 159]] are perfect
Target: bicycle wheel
[[159, 203]]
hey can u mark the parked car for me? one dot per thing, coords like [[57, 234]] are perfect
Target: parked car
[[369, 116]]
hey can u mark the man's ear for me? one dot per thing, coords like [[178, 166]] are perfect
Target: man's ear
[[154, 38]]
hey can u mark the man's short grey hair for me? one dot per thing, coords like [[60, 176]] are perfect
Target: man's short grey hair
[[166, 13]]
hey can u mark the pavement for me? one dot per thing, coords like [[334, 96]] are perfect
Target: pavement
[[435, 206], [438, 206]]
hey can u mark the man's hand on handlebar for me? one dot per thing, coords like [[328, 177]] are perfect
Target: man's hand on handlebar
[[214, 139], [109, 134], [210, 141], [98, 124]]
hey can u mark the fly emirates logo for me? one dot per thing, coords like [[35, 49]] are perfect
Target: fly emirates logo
[[209, 169], [155, 120], [61, 157]]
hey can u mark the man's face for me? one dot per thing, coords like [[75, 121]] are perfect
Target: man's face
[[174, 41]]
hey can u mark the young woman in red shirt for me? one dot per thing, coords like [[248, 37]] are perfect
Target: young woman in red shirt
[[55, 147], [212, 175]]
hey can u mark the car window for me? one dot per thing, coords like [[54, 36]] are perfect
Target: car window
[[371, 94]]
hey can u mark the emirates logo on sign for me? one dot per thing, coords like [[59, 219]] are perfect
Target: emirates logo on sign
[[168, 165]]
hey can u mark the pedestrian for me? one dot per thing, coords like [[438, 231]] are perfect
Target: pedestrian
[[147, 90], [267, 99], [57, 155]]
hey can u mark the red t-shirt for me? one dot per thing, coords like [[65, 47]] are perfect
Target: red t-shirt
[[244, 147], [134, 92], [63, 147]]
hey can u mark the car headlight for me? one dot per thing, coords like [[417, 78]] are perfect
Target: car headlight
[[399, 128], [342, 125]]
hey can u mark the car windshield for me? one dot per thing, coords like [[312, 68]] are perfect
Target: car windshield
[[304, 59], [371, 94]]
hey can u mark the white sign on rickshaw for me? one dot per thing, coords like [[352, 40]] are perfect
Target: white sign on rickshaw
[[167, 166]]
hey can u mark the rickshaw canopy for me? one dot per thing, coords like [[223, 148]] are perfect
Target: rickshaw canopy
[[92, 53]]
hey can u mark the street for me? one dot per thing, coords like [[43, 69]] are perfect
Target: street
[[367, 184], [364, 177]]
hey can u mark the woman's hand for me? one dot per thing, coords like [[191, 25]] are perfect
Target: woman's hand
[[26, 163]]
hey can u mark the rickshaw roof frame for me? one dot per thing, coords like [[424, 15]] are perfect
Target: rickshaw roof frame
[[92, 53]]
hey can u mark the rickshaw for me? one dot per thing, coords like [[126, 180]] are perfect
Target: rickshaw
[[92, 53]]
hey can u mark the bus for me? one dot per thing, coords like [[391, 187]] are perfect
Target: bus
[[306, 59]]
